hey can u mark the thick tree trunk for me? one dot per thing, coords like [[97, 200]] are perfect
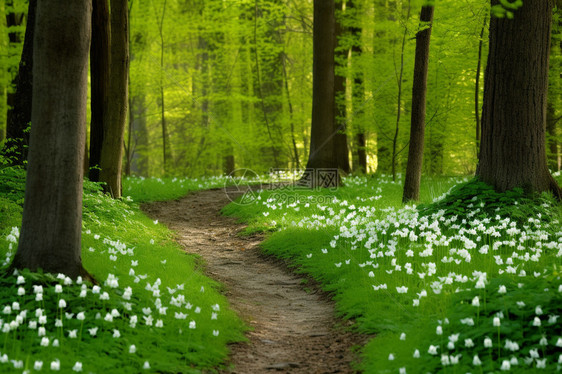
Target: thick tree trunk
[[340, 138], [417, 126], [322, 155], [19, 102], [52, 215], [114, 132], [512, 152], [100, 80]]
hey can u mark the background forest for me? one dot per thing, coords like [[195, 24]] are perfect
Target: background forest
[[217, 85]]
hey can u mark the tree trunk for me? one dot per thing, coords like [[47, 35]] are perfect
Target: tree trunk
[[114, 132], [513, 150], [340, 138], [358, 91], [399, 100], [291, 116], [19, 102], [165, 145], [139, 148], [322, 155], [52, 216], [551, 121], [419, 91], [477, 85], [100, 80]]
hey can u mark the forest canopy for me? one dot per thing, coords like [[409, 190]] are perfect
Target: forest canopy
[[232, 82]]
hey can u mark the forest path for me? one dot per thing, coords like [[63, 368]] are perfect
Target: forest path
[[294, 331]]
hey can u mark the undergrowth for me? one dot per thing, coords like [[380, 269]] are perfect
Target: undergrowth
[[153, 312], [467, 282]]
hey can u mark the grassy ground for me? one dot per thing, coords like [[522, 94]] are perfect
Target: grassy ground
[[468, 284], [154, 311], [142, 190]]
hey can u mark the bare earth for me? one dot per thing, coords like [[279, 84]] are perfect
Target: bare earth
[[294, 331]]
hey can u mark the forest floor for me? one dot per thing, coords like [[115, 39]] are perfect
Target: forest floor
[[293, 327]]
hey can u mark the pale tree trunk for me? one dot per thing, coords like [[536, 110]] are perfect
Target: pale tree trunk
[[52, 215], [100, 80], [322, 155], [513, 149], [114, 132], [417, 125], [291, 115], [165, 146]]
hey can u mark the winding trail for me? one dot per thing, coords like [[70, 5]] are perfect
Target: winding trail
[[293, 331]]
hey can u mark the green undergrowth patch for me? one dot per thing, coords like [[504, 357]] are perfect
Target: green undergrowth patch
[[467, 282], [153, 310], [143, 190], [464, 199]]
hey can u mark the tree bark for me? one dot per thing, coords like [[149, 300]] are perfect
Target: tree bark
[[399, 100], [52, 214], [19, 102], [340, 138], [419, 91], [99, 70], [114, 132], [357, 90], [322, 155], [513, 150], [477, 85], [165, 145], [551, 133]]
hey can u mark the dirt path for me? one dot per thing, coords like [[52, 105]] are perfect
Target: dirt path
[[293, 331]]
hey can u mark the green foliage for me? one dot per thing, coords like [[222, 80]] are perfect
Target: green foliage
[[400, 272], [478, 200], [142, 190], [506, 8], [183, 322]]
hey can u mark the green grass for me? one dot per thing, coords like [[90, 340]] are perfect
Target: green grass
[[119, 242], [410, 276], [143, 190]]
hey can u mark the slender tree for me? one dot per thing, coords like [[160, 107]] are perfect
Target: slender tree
[[113, 134], [513, 150], [165, 140], [340, 139], [19, 102], [99, 71], [322, 155], [399, 79], [477, 84], [52, 215], [419, 90]]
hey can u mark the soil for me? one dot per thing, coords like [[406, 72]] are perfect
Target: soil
[[294, 329]]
